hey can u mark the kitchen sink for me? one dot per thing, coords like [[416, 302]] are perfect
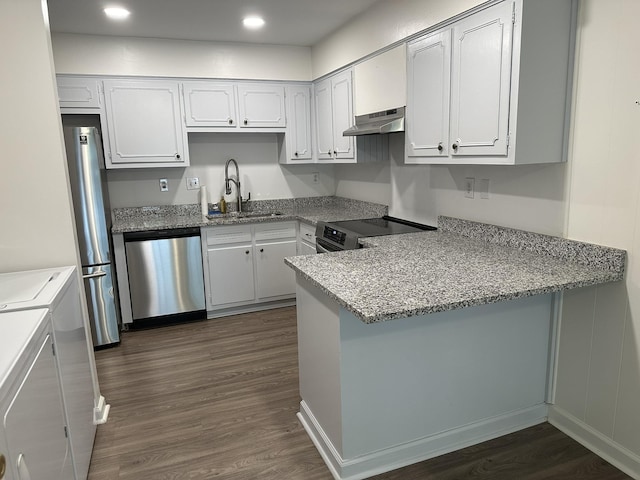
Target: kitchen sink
[[245, 215]]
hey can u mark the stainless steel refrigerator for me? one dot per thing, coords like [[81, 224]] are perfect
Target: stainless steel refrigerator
[[93, 221]]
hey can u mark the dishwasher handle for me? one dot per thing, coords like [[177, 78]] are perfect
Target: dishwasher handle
[[161, 234]]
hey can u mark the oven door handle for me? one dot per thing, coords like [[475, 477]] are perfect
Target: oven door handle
[[324, 247]]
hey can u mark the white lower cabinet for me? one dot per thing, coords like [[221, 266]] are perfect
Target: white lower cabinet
[[273, 277], [306, 239], [245, 264], [231, 274]]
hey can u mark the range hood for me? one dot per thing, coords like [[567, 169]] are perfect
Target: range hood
[[386, 121]]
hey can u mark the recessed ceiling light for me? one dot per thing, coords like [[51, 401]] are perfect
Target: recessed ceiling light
[[117, 13], [253, 22]]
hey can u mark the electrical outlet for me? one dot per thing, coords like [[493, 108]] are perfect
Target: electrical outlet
[[469, 186], [483, 188], [316, 177], [164, 185], [193, 183]]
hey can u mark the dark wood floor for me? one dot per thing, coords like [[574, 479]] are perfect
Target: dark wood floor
[[217, 399]]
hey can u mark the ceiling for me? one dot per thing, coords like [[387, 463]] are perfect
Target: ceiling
[[288, 22]]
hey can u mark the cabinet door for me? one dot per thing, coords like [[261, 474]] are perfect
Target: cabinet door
[[209, 104], [231, 274], [34, 422], [342, 104], [78, 92], [273, 277], [261, 105], [306, 248], [324, 120], [299, 123], [428, 79], [145, 124], [481, 72]]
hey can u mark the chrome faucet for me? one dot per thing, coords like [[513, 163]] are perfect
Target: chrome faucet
[[236, 182]]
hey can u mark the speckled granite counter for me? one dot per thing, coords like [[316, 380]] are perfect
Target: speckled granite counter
[[309, 210], [462, 264]]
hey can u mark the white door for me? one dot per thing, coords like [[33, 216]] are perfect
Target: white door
[[428, 81], [261, 105], [273, 277], [299, 123], [231, 274], [324, 120], [34, 423], [145, 125], [342, 103], [480, 84], [209, 104]]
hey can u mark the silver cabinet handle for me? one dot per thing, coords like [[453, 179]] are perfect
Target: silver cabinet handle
[[23, 471], [95, 275]]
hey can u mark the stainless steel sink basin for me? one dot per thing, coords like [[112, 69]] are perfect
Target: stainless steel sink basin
[[245, 215]]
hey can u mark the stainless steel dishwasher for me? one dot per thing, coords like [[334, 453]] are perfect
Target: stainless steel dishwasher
[[166, 279]]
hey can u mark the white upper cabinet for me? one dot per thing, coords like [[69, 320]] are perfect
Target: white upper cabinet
[[428, 86], [261, 105], [333, 101], [79, 92], [231, 106], [493, 87], [298, 135], [209, 104], [480, 76], [145, 124]]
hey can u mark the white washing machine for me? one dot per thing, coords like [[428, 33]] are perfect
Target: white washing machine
[[32, 440], [57, 290]]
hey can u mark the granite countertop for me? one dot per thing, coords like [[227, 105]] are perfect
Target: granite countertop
[[462, 264], [309, 210]]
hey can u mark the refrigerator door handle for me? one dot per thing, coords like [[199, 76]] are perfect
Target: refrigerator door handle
[[95, 275]]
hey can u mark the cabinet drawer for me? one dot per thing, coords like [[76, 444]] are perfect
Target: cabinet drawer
[[307, 232], [275, 230], [228, 234]]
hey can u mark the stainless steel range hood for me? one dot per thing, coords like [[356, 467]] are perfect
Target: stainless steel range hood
[[386, 121]]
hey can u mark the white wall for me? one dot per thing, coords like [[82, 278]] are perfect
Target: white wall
[[599, 368], [383, 24], [104, 55], [260, 173], [35, 213]]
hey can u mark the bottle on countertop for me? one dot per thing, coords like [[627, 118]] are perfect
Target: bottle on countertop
[[223, 205]]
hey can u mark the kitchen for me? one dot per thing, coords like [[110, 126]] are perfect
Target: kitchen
[[589, 198]]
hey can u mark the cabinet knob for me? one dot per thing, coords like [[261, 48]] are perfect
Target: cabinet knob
[[455, 147], [296, 154], [329, 152], [247, 252], [3, 466], [261, 250], [231, 121], [246, 121], [335, 153], [440, 147]]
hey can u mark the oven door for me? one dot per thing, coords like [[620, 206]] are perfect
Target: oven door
[[322, 246]]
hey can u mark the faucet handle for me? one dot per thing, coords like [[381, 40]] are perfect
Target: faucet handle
[[246, 199]]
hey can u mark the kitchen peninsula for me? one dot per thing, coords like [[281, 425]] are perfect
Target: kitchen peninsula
[[429, 342]]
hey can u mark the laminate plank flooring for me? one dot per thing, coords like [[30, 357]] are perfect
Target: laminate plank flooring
[[218, 399]]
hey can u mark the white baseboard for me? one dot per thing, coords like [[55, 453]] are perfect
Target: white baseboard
[[601, 445], [417, 450], [101, 411]]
